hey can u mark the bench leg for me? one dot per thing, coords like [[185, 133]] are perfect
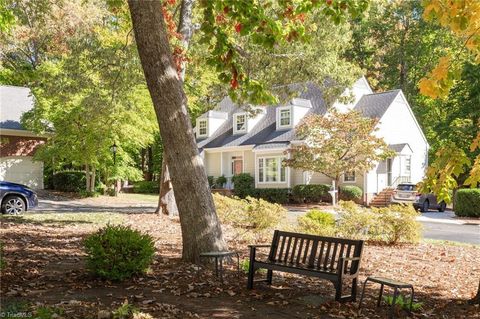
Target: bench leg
[[269, 276], [380, 296], [251, 274], [354, 290], [411, 301], [394, 303], [361, 297], [338, 291]]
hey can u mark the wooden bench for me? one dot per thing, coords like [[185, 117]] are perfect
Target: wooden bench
[[333, 259]]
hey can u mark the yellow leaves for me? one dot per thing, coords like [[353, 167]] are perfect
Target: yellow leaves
[[439, 81], [463, 18]]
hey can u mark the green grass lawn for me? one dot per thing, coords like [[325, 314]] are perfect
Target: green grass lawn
[[139, 197]]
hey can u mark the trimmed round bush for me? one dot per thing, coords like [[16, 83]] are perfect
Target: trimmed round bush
[[118, 252], [243, 185], [69, 181], [467, 202], [350, 192], [312, 193], [146, 187]]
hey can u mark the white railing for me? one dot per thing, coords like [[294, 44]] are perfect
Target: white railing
[[400, 180]]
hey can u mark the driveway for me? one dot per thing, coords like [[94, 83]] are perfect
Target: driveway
[[124, 203]]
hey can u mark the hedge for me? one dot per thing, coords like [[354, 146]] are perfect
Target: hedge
[[69, 181], [146, 187], [273, 195], [350, 192], [313, 193], [467, 202]]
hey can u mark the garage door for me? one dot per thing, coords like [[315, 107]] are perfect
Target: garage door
[[22, 170]]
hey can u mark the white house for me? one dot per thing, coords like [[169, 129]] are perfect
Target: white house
[[231, 141]]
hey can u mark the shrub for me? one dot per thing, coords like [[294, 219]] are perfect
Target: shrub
[[391, 224], [248, 215], [397, 223], [146, 187], [313, 193], [273, 195], [318, 223], [211, 181], [356, 222], [118, 252], [220, 181], [350, 192], [262, 215], [467, 202], [69, 181], [243, 185]]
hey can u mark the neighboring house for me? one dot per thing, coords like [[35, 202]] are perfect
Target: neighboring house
[[18, 145], [232, 142]]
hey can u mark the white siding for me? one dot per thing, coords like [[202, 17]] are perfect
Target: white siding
[[397, 126]]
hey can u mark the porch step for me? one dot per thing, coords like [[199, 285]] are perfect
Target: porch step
[[383, 198]]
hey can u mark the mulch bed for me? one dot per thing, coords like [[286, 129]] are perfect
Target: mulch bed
[[45, 266]]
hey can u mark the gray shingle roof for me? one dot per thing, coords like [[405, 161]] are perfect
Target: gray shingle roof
[[14, 101], [398, 148], [264, 134], [265, 131], [376, 104]]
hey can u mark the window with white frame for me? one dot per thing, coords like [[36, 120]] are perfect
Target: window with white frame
[[202, 128], [271, 170], [240, 123], [349, 177], [408, 165], [285, 117]]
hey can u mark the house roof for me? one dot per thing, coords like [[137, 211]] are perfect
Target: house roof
[[265, 131], [398, 148], [376, 104], [14, 101], [265, 135]]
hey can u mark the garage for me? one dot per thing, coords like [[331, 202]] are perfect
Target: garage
[[22, 170]]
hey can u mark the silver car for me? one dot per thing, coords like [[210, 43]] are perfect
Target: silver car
[[407, 194]]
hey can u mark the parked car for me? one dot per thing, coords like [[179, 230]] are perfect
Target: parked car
[[407, 194], [16, 198]]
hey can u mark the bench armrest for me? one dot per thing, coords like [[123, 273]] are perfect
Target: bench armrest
[[253, 251], [343, 261]]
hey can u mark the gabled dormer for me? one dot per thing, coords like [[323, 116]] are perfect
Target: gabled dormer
[[244, 122], [287, 117], [353, 94], [209, 122]]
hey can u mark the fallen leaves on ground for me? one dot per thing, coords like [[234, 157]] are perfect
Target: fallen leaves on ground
[[45, 267]]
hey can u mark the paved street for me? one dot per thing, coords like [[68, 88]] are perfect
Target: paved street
[[453, 232]]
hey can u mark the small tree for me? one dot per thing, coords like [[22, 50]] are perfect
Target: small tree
[[337, 143]]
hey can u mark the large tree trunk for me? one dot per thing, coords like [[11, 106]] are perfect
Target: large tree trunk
[[200, 226], [166, 199]]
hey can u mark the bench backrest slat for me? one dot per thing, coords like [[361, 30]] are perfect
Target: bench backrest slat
[[318, 252]]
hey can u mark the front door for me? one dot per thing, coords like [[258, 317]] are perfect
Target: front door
[[237, 165], [389, 171]]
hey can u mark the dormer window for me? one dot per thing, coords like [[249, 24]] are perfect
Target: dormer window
[[240, 123], [202, 128], [284, 117]]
